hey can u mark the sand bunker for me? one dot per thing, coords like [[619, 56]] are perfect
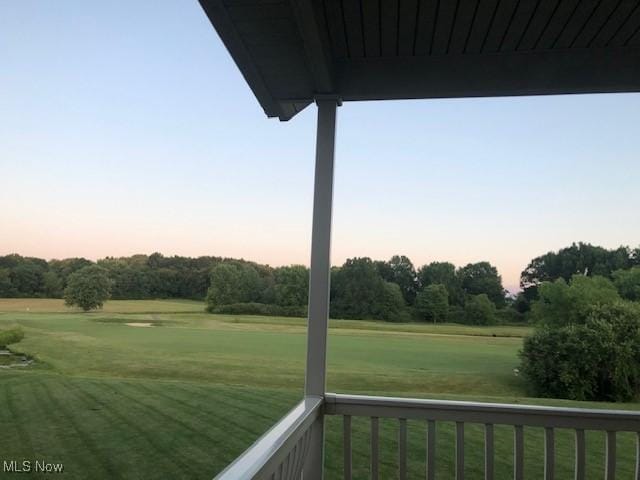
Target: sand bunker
[[139, 324]]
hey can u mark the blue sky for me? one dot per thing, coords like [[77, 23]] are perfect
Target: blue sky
[[127, 128]]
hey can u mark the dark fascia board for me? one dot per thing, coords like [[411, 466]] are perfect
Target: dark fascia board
[[219, 18], [604, 70]]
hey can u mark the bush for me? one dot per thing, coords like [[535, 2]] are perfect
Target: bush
[[259, 309], [8, 337], [596, 360]]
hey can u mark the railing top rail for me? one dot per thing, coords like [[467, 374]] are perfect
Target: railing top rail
[[478, 412], [256, 457]]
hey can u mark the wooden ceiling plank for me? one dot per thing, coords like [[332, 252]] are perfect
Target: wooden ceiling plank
[[634, 40], [531, 73], [586, 9], [484, 20], [444, 26], [626, 30], [353, 27], [616, 22], [371, 25], [389, 28], [543, 17], [335, 27], [557, 24], [271, 11], [597, 22], [467, 13], [311, 25], [520, 24], [407, 26], [425, 27], [501, 22]]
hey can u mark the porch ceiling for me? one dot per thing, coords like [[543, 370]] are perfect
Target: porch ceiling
[[289, 51]]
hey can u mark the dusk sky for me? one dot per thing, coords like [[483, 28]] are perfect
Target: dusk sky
[[126, 128]]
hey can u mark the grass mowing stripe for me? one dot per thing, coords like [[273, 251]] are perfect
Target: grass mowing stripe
[[150, 407], [23, 435], [164, 454], [86, 442], [213, 454], [276, 407], [223, 417], [270, 396], [86, 438]]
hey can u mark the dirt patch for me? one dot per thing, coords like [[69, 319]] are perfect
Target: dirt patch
[[139, 324]]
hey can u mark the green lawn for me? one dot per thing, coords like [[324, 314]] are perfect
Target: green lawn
[[184, 397]]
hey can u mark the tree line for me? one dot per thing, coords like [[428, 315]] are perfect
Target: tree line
[[361, 288]]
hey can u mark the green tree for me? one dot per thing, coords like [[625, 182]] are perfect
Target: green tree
[[432, 303], [231, 283], [480, 310], [52, 285], [360, 292], [443, 273], [482, 278], [88, 288], [391, 304], [563, 303], [402, 272], [628, 283], [579, 258], [6, 288], [291, 285]]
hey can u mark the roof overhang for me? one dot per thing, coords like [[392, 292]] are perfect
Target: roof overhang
[[291, 51]]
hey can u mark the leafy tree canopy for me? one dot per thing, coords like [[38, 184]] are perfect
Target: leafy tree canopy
[[563, 303], [291, 285], [360, 292], [442, 273], [482, 278], [233, 282], [88, 288], [579, 258], [480, 310], [432, 303], [628, 283]]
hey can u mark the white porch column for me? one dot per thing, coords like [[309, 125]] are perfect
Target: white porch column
[[319, 276]]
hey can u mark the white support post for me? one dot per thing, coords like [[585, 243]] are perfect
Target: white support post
[[319, 277]]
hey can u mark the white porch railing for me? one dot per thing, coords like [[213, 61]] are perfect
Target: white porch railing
[[281, 453]]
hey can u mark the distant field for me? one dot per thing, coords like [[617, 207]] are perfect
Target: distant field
[[56, 305], [182, 398]]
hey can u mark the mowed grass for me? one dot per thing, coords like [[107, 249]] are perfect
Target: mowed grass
[[183, 398]]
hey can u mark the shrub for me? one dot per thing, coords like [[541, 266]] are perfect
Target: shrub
[[596, 360], [253, 308], [8, 337]]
